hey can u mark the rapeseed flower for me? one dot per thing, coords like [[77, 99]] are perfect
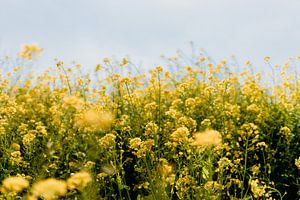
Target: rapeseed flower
[[29, 50], [72, 101], [49, 189], [297, 163], [180, 135], [95, 120], [207, 138], [108, 141], [79, 180], [14, 184], [257, 189]]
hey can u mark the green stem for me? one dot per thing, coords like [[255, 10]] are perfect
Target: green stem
[[245, 169]]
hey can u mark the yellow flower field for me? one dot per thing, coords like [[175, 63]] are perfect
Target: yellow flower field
[[198, 131]]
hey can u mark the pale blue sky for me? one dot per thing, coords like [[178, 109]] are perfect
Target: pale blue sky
[[88, 30]]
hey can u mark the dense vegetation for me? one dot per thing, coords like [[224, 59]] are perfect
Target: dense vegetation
[[191, 131]]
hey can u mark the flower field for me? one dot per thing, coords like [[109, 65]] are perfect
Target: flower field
[[201, 130]]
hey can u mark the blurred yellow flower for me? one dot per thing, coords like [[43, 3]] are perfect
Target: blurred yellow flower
[[72, 101], [95, 120], [14, 184], [124, 61], [79, 180], [164, 169], [207, 138], [106, 60], [98, 67], [15, 146], [29, 50], [267, 58], [49, 189]]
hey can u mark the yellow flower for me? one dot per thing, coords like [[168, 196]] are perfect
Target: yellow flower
[[202, 59], [255, 169], [134, 143], [223, 164], [15, 146], [180, 135], [124, 61], [49, 189], [14, 184], [207, 138], [165, 169], [72, 101], [159, 69], [90, 164], [29, 50], [151, 129], [79, 180], [297, 163], [95, 120], [28, 138], [190, 103], [98, 68], [267, 58], [286, 131], [106, 60], [262, 145], [78, 66], [253, 108], [108, 141], [213, 185], [101, 176], [257, 190], [140, 147], [206, 123], [16, 158]]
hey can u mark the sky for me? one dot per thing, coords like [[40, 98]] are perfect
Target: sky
[[86, 31]]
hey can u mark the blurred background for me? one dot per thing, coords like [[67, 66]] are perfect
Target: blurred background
[[86, 31]]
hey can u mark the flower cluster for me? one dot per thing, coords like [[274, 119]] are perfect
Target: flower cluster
[[29, 50], [198, 130]]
